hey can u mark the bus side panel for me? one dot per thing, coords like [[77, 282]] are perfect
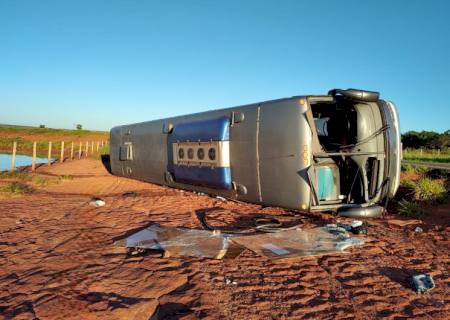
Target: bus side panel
[[243, 153], [149, 151], [284, 152]]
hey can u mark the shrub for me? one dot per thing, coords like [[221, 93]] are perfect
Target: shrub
[[410, 209], [47, 181], [40, 181], [65, 177], [22, 176], [408, 168], [429, 190], [421, 169], [408, 183], [15, 187]]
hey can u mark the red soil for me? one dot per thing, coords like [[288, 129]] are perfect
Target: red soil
[[58, 261]]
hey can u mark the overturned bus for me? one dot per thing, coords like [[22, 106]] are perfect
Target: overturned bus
[[335, 152]]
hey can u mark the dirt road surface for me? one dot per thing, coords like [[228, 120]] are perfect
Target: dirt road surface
[[58, 261]]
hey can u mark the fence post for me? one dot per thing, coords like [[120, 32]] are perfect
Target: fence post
[[71, 151], [421, 151], [87, 148], [98, 145], [13, 158], [439, 152], [49, 161], [79, 150], [33, 161], [62, 152], [92, 147]]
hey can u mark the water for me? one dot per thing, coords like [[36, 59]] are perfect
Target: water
[[5, 161]]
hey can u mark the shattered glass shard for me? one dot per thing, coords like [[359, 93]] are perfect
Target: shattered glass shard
[[299, 243], [183, 242]]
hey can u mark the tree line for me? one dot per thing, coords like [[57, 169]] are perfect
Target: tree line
[[426, 140]]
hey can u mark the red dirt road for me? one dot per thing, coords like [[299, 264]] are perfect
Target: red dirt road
[[57, 261]]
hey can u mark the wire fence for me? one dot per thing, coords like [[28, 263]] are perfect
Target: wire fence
[[63, 151]]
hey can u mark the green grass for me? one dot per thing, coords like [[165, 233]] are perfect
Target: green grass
[[102, 151], [408, 168], [429, 190], [24, 146], [21, 176], [24, 136], [41, 181], [47, 131], [420, 194], [427, 155], [408, 183], [65, 177], [410, 209], [15, 187]]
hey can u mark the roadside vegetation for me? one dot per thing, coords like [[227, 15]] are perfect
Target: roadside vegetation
[[26, 182], [25, 136], [421, 189], [6, 128], [15, 187], [428, 155], [426, 146], [410, 209], [102, 152]]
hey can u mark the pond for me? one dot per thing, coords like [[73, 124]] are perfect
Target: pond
[[21, 160]]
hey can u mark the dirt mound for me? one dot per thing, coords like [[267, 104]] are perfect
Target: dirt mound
[[58, 260]]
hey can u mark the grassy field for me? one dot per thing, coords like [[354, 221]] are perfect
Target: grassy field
[[427, 155], [25, 136], [8, 129]]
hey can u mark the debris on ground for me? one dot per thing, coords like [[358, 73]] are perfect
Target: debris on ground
[[221, 198], [418, 230], [129, 194], [355, 227], [229, 281], [299, 243], [261, 223], [182, 242], [422, 283], [214, 244], [97, 202]]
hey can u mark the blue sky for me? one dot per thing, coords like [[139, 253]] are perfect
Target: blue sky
[[104, 63]]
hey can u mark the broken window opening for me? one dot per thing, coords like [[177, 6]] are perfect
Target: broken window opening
[[348, 166]]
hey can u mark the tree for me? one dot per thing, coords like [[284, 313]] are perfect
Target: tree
[[426, 139], [79, 127]]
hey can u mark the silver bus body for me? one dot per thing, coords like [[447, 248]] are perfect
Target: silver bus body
[[322, 152]]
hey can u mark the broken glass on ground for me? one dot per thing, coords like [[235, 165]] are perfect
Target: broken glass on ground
[[213, 244], [299, 243], [183, 242]]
